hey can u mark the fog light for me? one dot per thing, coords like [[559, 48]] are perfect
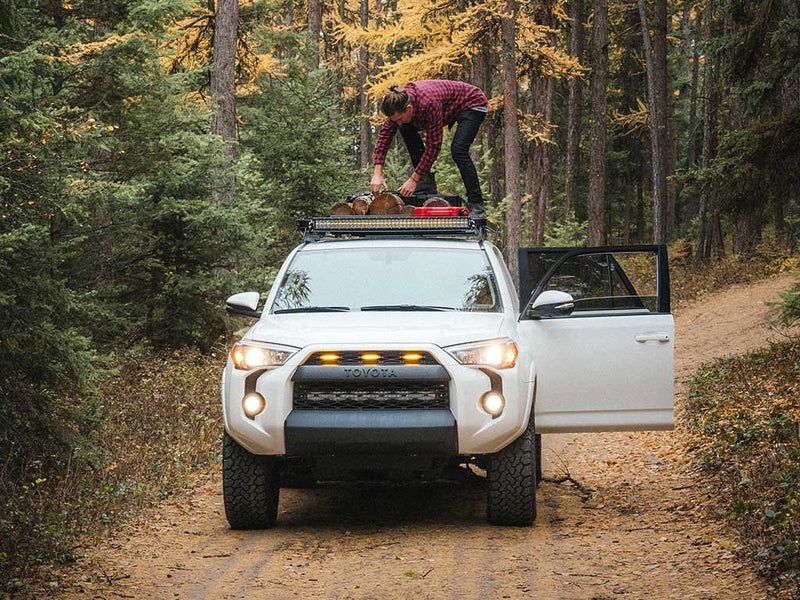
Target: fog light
[[493, 403], [253, 404]]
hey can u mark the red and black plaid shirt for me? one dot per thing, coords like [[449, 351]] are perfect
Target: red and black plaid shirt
[[437, 102]]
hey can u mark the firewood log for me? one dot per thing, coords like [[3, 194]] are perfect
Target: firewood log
[[341, 208], [361, 204], [386, 204], [407, 210]]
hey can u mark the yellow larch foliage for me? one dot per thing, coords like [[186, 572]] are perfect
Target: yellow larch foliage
[[436, 39], [634, 120], [423, 39], [75, 53], [190, 46]]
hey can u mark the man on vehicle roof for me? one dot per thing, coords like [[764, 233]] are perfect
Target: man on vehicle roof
[[430, 105]]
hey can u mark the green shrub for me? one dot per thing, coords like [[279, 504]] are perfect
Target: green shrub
[[790, 308], [148, 430], [744, 416]]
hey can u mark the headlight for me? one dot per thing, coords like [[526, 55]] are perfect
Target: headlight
[[251, 356], [500, 354]]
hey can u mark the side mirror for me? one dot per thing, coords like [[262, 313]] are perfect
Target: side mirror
[[552, 303], [243, 305]]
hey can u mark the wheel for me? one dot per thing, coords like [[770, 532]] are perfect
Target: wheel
[[512, 482], [538, 440], [250, 487]]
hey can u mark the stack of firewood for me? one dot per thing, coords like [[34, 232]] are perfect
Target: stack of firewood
[[385, 203]]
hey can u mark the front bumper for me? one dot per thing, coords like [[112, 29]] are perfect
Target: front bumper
[[466, 430], [320, 432]]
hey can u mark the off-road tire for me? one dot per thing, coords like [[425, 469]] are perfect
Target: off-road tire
[[250, 487], [512, 482], [539, 474]]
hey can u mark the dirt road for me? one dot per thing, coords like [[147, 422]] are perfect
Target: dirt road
[[642, 534]]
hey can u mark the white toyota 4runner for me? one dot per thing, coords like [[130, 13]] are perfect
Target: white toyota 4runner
[[398, 346]]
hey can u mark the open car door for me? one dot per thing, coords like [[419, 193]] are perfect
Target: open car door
[[597, 324]]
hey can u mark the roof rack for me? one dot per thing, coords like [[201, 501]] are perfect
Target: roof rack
[[316, 228]]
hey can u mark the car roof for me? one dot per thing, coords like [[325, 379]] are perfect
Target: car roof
[[393, 242]]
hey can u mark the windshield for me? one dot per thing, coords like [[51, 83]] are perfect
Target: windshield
[[388, 279]]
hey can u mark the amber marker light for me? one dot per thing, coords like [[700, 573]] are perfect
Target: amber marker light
[[329, 358], [237, 354], [370, 357], [412, 357]]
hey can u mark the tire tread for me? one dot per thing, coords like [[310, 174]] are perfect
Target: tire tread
[[250, 487], [512, 482]]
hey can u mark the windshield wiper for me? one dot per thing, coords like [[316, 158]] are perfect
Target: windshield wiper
[[408, 307], [312, 309]]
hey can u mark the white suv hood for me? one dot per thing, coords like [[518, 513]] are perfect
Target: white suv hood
[[333, 329]]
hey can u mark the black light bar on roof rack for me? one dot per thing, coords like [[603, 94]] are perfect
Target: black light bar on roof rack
[[387, 225]]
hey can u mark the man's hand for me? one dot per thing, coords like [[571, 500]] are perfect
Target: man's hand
[[378, 183], [407, 189]]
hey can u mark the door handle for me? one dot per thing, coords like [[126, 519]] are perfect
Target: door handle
[[652, 337]]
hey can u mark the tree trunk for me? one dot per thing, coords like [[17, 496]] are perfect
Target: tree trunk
[[702, 253], [779, 216], [497, 164], [488, 156], [223, 94], [364, 129], [538, 171], [640, 185], [485, 68], [626, 235], [672, 159], [597, 170], [314, 29], [656, 58], [574, 110], [632, 89], [482, 79], [790, 102], [691, 151], [719, 239], [746, 231], [511, 136]]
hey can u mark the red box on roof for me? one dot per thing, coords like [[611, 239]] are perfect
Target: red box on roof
[[440, 211]]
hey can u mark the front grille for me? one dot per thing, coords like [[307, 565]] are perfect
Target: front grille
[[341, 396], [388, 358]]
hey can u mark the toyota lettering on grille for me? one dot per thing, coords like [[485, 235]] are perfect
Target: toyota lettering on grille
[[370, 373]]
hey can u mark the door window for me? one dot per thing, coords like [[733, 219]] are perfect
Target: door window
[[601, 281]]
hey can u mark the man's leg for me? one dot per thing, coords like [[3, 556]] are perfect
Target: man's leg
[[416, 148], [468, 123]]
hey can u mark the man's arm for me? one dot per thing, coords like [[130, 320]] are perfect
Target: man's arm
[[378, 183], [382, 144]]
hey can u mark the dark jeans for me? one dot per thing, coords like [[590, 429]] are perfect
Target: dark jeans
[[468, 123]]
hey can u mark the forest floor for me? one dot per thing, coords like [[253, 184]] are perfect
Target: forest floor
[[642, 526]]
